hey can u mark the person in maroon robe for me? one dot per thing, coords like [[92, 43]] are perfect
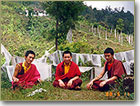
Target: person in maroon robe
[[114, 69], [67, 73], [26, 74]]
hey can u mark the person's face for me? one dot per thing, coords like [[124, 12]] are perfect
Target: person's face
[[29, 58], [108, 57], [67, 58]]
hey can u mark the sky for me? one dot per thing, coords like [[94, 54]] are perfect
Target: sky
[[128, 5]]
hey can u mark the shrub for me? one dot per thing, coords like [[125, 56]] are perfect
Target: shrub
[[125, 87], [5, 81], [76, 47]]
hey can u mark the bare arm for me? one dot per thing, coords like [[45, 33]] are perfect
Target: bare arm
[[71, 80], [96, 78], [111, 79], [107, 80], [61, 83], [74, 78], [17, 69], [100, 75]]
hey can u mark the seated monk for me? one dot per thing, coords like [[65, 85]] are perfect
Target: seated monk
[[67, 73], [26, 74], [114, 69]]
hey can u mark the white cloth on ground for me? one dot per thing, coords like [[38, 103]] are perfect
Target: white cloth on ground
[[36, 91]]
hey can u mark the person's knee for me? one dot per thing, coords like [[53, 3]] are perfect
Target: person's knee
[[79, 81], [55, 83], [104, 88]]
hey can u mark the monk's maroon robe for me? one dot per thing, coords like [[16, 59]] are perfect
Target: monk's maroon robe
[[28, 79], [73, 71], [117, 69]]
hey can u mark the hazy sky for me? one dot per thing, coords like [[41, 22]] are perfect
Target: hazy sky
[[128, 5]]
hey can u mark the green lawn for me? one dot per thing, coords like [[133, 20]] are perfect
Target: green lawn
[[57, 94]]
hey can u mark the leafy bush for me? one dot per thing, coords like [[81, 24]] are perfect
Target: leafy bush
[[53, 72], [2, 60], [125, 87], [76, 47], [5, 81], [86, 76]]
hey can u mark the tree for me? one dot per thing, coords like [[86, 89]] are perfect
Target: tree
[[131, 28], [30, 23], [110, 17], [120, 25], [66, 14]]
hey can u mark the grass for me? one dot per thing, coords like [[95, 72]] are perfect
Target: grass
[[57, 94]]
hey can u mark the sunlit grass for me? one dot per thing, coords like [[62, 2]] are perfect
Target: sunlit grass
[[56, 94]]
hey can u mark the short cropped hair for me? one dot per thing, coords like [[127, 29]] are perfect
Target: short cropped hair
[[67, 52], [109, 50], [29, 52]]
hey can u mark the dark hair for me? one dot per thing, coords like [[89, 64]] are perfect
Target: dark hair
[[29, 52], [109, 50], [67, 52]]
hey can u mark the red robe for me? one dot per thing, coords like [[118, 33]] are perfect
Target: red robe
[[117, 69], [28, 79], [73, 71]]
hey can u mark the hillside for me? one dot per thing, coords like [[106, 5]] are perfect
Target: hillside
[[17, 39], [87, 41]]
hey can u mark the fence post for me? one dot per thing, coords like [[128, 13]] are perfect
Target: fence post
[[106, 35], [115, 33]]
